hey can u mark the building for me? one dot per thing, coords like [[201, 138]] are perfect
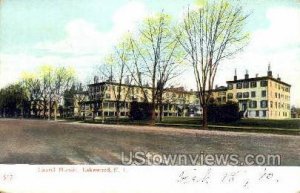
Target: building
[[258, 97], [261, 97], [79, 107], [295, 112], [219, 94], [101, 100]]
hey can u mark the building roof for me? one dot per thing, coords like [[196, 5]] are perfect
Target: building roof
[[260, 78], [172, 89], [220, 88], [115, 83]]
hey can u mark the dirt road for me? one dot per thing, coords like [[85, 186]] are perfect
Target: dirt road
[[49, 142]]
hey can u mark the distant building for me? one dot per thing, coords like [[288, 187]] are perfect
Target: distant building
[[219, 94], [295, 112]]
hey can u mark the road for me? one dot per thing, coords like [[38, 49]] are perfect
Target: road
[[50, 142]]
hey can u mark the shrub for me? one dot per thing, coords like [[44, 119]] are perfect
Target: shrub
[[223, 112], [140, 111]]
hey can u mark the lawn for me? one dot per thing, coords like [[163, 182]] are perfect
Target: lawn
[[188, 122], [283, 124]]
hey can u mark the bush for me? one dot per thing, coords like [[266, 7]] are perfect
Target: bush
[[140, 111], [223, 112]]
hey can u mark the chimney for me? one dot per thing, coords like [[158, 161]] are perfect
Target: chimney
[[235, 76], [127, 79], [269, 70], [96, 79], [256, 75], [140, 77], [278, 78], [246, 75]]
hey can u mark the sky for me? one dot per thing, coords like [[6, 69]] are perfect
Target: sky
[[80, 33]]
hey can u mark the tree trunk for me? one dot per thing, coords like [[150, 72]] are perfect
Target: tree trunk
[[160, 108], [43, 108], [153, 117], [49, 110], [55, 110], [160, 112], [22, 112], [204, 117], [118, 112]]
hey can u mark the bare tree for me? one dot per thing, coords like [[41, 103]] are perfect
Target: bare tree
[[209, 34], [62, 81], [115, 71], [155, 53], [48, 86]]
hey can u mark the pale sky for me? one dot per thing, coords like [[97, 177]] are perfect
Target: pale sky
[[79, 33]]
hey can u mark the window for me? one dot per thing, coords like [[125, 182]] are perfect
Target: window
[[246, 95], [275, 94], [264, 113], [271, 104], [264, 104], [253, 94], [253, 104], [230, 96], [263, 83], [107, 96], [230, 86], [246, 85], [257, 113], [263, 93], [239, 85], [239, 95], [253, 84]]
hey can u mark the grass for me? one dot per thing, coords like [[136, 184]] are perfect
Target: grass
[[285, 126], [267, 123], [123, 121]]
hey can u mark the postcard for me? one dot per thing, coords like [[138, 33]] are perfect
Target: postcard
[[149, 96]]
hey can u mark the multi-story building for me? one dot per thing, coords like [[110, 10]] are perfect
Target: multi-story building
[[258, 97], [261, 97], [102, 100]]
